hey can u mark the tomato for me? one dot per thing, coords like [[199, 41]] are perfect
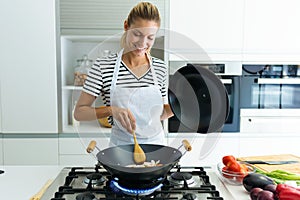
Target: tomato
[[234, 166], [228, 159], [225, 173]]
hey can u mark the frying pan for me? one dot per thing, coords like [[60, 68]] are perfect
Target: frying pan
[[115, 159], [198, 99]]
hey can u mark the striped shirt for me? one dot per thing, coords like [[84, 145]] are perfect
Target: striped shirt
[[100, 77]]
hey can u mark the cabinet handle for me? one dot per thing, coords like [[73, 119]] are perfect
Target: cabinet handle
[[278, 81], [226, 81], [250, 120]]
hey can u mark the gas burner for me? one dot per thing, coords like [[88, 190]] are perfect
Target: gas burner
[[95, 179], [186, 183], [178, 179], [117, 188], [189, 196]]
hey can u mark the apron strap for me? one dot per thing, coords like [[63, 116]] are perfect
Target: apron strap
[[116, 70], [152, 70]]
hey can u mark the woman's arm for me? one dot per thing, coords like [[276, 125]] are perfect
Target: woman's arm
[[84, 110], [167, 112]]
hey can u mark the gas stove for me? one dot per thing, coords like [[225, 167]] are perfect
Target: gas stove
[[95, 183]]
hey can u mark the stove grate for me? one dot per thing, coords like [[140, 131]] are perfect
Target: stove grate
[[166, 192]]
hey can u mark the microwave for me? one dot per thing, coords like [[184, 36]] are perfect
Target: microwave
[[270, 86]]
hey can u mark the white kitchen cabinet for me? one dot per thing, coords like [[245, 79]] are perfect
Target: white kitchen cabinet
[[268, 144], [209, 27], [262, 121], [28, 67], [72, 150], [30, 150], [271, 30]]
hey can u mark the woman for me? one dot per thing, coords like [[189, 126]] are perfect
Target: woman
[[132, 84]]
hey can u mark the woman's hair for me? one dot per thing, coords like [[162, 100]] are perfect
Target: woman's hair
[[145, 11]]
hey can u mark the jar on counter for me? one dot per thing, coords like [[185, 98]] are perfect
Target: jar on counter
[[81, 70]]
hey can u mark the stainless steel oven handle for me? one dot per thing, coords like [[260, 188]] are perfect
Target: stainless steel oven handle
[[226, 81], [278, 81]]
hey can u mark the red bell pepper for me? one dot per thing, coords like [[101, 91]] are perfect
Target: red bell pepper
[[287, 192]]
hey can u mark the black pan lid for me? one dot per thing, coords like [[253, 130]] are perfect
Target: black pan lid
[[198, 99]]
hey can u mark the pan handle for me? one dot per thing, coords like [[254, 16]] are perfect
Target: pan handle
[[91, 146], [187, 145]]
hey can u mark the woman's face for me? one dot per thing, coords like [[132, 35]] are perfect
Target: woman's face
[[140, 36]]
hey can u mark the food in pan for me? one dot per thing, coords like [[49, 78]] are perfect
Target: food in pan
[[146, 164]]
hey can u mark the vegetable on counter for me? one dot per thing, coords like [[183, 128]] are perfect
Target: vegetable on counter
[[275, 192], [256, 180], [287, 192], [265, 195], [281, 176], [231, 164]]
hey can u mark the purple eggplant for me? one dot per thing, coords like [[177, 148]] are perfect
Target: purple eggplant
[[255, 180]]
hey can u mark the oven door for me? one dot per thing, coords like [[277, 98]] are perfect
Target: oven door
[[270, 93], [232, 124], [232, 85]]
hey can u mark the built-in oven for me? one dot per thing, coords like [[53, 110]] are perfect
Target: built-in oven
[[229, 73], [270, 87]]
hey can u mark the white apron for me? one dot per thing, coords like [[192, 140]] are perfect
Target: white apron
[[145, 103]]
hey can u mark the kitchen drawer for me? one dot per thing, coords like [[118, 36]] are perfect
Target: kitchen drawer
[[274, 144], [269, 124], [30, 151], [207, 149], [77, 145], [72, 150], [77, 160]]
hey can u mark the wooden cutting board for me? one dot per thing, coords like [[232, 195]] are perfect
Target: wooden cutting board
[[294, 168]]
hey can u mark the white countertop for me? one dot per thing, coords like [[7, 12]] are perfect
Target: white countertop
[[22, 182], [227, 191]]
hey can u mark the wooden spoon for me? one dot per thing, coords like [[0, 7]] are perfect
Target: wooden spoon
[[139, 156]]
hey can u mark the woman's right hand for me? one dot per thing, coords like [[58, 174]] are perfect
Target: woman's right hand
[[125, 117]]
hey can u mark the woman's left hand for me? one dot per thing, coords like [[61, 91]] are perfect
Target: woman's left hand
[[167, 112]]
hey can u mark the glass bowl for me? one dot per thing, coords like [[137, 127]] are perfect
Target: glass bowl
[[234, 178]]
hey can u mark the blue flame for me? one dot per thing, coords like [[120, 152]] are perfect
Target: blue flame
[[134, 191]]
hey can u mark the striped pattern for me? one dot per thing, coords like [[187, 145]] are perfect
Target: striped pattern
[[100, 77]]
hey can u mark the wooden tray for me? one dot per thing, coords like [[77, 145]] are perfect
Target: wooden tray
[[294, 168]]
